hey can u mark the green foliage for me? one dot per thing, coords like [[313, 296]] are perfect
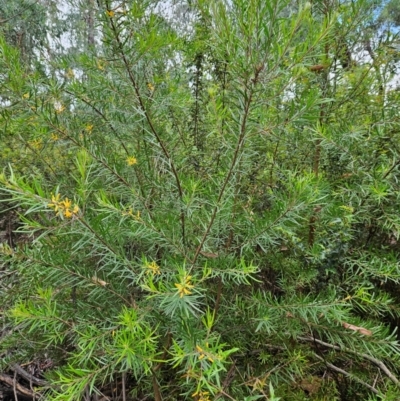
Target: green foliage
[[209, 213], [24, 26]]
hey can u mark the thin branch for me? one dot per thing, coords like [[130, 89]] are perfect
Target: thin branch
[[370, 358], [343, 372], [14, 387], [149, 121], [123, 386], [228, 380], [156, 388], [102, 115], [82, 277], [264, 230], [249, 95], [75, 142], [227, 395], [391, 169], [22, 372]]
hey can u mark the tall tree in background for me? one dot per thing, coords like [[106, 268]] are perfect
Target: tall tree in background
[[23, 24]]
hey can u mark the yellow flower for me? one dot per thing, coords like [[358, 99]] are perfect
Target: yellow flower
[[152, 268], [64, 207], [131, 160], [26, 96], [89, 128], [150, 86], [202, 395], [54, 137], [36, 144], [184, 286], [55, 198], [67, 203], [204, 354], [110, 13], [54, 202], [128, 213]]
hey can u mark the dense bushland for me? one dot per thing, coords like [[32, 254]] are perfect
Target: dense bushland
[[205, 213]]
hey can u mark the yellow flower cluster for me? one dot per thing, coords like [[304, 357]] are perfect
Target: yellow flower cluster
[[63, 207], [100, 65], [152, 268], [202, 395], [203, 354], [36, 144], [131, 160], [130, 213], [89, 128], [184, 286]]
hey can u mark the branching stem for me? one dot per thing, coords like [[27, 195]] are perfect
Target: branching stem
[[150, 122]]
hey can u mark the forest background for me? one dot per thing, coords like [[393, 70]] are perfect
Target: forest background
[[200, 200]]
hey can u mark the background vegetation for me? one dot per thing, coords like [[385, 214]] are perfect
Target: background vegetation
[[200, 200]]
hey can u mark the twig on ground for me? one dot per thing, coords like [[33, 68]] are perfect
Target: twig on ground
[[17, 387], [22, 372], [14, 387]]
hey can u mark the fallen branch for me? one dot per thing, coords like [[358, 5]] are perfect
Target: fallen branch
[[15, 385], [23, 373], [370, 358]]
